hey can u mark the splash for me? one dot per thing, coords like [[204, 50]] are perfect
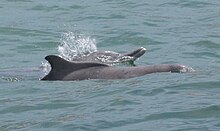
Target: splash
[[76, 46], [186, 69], [72, 45], [45, 67]]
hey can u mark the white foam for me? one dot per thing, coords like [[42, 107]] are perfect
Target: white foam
[[186, 69]]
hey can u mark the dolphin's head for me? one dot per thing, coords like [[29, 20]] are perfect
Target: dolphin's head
[[136, 53]]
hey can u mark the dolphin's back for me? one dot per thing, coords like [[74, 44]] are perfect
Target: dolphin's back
[[61, 67]]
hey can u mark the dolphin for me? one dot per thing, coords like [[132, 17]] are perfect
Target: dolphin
[[64, 70], [110, 57]]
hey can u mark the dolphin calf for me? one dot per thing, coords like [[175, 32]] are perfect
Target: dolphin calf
[[62, 69], [110, 57]]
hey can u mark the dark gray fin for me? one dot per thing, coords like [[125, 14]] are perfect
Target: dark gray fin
[[61, 67]]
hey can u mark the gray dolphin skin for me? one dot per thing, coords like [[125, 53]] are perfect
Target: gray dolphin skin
[[62, 69], [110, 57]]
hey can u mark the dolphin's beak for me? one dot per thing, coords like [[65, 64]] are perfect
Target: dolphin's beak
[[136, 53]]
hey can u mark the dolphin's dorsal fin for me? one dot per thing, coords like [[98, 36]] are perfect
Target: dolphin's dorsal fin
[[61, 67]]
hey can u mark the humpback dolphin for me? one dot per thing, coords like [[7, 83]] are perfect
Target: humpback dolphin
[[62, 69], [110, 57]]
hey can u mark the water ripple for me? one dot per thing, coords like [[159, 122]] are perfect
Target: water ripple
[[206, 44], [189, 4], [23, 32], [180, 31], [202, 113], [142, 92], [20, 109]]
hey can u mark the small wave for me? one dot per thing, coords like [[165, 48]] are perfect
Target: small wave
[[10, 79]]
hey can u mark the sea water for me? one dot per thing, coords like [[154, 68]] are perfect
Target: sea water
[[173, 31]]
